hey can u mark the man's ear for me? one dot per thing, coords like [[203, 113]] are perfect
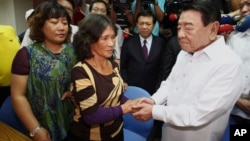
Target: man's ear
[[214, 28]]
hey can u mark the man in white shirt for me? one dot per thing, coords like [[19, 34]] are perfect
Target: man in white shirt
[[239, 41], [196, 99]]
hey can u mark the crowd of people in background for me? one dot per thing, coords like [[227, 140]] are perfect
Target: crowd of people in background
[[67, 72]]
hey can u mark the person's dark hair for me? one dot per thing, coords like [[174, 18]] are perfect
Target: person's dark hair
[[90, 30], [145, 13], [43, 12], [78, 3], [209, 11], [99, 1]]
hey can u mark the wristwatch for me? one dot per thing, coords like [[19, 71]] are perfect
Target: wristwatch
[[32, 133]]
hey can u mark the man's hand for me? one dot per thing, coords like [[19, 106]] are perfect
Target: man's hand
[[143, 111]]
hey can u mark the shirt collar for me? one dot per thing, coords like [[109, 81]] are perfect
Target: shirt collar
[[210, 49], [149, 39]]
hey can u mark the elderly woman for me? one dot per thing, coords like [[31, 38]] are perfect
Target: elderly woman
[[41, 75], [101, 7], [97, 86]]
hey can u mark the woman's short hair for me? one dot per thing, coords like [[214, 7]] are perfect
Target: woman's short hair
[[43, 12], [90, 30]]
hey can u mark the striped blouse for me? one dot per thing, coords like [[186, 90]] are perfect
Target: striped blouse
[[98, 99]]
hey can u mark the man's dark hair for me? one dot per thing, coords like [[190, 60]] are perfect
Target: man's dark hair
[[145, 13], [208, 10]]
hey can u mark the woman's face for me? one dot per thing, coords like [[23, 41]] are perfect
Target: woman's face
[[104, 47], [55, 30]]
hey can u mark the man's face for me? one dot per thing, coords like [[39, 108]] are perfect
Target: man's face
[[192, 34], [99, 8], [145, 26], [244, 7]]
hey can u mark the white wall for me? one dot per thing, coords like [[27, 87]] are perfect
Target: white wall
[[12, 12]]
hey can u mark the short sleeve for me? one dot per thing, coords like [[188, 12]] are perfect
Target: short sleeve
[[20, 63]]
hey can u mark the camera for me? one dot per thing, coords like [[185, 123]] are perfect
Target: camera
[[127, 3], [147, 1], [121, 3], [174, 6]]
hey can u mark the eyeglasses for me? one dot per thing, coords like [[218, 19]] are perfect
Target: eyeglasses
[[96, 10]]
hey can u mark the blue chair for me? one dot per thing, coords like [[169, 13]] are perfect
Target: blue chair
[[8, 116], [226, 136], [135, 130]]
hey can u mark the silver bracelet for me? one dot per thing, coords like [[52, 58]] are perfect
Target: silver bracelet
[[32, 133]]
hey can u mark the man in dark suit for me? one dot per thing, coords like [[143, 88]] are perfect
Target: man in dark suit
[[137, 69], [169, 56]]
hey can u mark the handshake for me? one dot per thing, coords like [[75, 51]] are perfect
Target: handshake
[[140, 108]]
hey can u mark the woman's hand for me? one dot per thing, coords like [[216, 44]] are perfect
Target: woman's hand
[[127, 106], [42, 135], [125, 85], [67, 94]]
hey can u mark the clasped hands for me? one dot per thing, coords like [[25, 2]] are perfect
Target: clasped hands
[[140, 108]]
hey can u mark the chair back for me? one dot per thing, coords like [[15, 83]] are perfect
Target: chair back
[[226, 136], [130, 123], [9, 117]]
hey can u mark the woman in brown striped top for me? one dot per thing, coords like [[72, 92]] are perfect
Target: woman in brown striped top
[[97, 86]]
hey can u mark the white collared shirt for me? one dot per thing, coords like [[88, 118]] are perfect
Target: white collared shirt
[[149, 42], [240, 43], [199, 94]]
